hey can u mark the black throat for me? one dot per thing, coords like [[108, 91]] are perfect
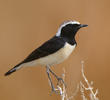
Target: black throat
[[69, 37], [71, 40]]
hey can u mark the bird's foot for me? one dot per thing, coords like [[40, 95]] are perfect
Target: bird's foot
[[54, 90], [60, 80]]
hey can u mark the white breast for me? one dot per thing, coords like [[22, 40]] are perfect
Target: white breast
[[54, 58]]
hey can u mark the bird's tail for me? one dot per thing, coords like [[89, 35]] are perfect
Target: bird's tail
[[13, 69]]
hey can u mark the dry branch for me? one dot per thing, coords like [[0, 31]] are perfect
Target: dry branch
[[80, 87]]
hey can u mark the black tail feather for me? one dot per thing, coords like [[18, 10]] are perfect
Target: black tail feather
[[13, 69], [10, 71]]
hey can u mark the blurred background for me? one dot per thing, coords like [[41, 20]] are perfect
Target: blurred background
[[26, 24]]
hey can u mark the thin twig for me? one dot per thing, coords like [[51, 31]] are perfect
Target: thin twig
[[90, 88]]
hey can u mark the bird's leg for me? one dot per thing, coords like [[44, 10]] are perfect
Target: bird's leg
[[52, 86], [57, 77]]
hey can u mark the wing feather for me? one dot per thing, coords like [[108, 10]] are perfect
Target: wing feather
[[49, 47]]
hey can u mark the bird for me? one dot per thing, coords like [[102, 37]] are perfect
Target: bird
[[53, 51]]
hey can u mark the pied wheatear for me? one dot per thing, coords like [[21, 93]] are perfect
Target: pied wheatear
[[53, 51]]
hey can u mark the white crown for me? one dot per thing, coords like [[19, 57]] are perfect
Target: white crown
[[64, 24]]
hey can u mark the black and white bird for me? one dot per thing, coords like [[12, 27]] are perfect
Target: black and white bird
[[53, 51]]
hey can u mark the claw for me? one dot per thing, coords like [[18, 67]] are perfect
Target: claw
[[54, 91], [61, 80]]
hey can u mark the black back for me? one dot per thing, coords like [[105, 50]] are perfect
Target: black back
[[49, 47]]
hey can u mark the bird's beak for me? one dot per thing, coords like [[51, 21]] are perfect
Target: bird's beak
[[83, 25]]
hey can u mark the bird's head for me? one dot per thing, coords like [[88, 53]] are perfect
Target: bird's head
[[69, 29]]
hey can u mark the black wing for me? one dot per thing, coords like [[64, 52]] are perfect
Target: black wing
[[49, 47]]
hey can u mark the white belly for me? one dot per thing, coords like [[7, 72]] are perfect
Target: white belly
[[54, 58]]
